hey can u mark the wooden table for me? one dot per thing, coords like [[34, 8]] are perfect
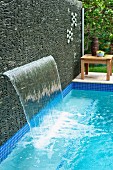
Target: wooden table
[[89, 59]]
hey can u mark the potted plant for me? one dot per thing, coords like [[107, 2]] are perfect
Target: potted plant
[[100, 53]]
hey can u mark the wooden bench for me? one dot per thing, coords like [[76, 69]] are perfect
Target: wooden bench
[[89, 59]]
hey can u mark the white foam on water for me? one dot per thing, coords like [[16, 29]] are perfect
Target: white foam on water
[[63, 126]]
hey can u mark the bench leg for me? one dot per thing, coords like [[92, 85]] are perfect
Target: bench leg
[[82, 69], [110, 67], [108, 70], [86, 68]]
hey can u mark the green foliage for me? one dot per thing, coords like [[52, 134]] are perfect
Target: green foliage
[[98, 21], [99, 68]]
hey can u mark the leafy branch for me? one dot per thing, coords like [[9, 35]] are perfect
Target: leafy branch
[[98, 20]]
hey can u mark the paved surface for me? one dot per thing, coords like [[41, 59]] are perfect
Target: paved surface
[[94, 77]]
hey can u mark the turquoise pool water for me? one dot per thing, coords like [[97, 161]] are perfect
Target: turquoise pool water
[[75, 135]]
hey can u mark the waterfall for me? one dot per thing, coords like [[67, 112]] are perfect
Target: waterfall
[[36, 83]]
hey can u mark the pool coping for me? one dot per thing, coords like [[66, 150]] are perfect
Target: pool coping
[[94, 77]]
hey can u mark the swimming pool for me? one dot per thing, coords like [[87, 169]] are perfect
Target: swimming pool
[[77, 134]]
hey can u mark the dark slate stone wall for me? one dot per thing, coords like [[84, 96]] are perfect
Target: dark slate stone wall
[[30, 30]]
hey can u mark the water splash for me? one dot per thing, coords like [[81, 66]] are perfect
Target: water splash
[[36, 84]]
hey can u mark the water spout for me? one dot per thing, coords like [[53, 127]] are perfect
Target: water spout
[[36, 84]]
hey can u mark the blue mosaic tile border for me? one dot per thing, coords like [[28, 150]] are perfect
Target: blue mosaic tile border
[[6, 149], [67, 89], [92, 86]]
